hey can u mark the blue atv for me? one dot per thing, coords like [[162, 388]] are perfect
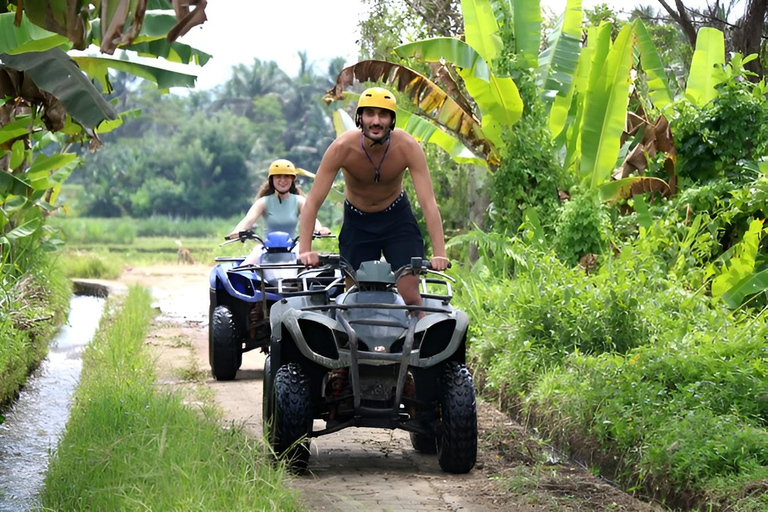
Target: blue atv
[[241, 297]]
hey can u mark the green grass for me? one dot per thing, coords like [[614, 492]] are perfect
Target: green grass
[[131, 446]]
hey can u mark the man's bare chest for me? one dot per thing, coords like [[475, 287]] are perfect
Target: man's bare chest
[[381, 166]]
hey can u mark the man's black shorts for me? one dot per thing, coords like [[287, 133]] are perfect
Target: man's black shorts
[[392, 232]]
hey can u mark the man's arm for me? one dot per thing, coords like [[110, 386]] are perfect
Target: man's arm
[[318, 226], [324, 177], [422, 183]]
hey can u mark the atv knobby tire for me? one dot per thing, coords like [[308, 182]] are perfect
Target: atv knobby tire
[[224, 345], [457, 435], [292, 419]]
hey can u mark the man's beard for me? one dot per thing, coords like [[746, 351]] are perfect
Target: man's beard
[[381, 138]]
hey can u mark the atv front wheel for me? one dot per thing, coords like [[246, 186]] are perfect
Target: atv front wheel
[[457, 439], [224, 347], [292, 419]]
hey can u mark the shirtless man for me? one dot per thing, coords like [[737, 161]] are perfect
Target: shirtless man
[[377, 214]]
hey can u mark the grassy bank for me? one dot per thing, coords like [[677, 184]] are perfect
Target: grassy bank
[[130, 446], [31, 310], [649, 383]]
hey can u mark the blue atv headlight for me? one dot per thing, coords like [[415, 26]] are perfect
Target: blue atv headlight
[[241, 284]]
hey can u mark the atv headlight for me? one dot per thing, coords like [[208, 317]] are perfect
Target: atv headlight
[[437, 338], [241, 284], [319, 338]]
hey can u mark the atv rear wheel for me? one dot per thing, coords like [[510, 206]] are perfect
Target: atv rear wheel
[[457, 439], [292, 418], [224, 346]]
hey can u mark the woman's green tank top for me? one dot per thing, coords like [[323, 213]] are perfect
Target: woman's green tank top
[[282, 215]]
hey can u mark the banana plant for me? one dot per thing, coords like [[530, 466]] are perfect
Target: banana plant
[[120, 21], [39, 68]]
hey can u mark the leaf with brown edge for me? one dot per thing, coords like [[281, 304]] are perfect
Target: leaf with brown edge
[[634, 185], [432, 101]]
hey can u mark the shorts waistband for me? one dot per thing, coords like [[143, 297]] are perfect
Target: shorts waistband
[[351, 208]]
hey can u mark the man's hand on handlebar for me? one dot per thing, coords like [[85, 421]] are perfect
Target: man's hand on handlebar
[[309, 259], [440, 263]]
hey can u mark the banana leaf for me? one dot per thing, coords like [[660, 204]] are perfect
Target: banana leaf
[[632, 186], [557, 63], [25, 230], [497, 98], [158, 73], [19, 127], [27, 37], [736, 274], [342, 122], [746, 287], [481, 31], [527, 30], [658, 81], [55, 72], [152, 41], [423, 130], [120, 21], [562, 104], [61, 17], [598, 44], [709, 54], [12, 185], [44, 167], [108, 126], [605, 110]]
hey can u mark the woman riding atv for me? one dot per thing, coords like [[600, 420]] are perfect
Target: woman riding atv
[[280, 202]]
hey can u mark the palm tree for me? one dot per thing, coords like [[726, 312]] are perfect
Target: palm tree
[[249, 82]]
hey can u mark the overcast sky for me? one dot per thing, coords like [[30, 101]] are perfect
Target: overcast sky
[[237, 31]]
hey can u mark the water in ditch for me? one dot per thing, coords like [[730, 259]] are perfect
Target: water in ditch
[[35, 422]]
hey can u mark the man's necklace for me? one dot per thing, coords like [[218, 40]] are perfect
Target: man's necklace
[[377, 168]]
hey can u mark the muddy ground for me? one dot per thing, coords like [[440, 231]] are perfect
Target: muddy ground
[[369, 469]]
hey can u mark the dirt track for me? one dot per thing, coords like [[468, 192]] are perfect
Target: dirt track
[[369, 469]]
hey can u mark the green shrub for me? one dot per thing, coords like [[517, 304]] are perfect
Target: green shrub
[[713, 139], [581, 228]]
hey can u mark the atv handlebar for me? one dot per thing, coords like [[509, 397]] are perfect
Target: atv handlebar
[[417, 266], [241, 236], [249, 234]]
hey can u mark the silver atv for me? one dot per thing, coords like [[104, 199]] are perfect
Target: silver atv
[[363, 358]]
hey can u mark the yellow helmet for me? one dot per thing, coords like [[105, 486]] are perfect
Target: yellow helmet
[[377, 97], [282, 166]]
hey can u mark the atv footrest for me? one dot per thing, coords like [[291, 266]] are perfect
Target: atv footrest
[[382, 422]]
